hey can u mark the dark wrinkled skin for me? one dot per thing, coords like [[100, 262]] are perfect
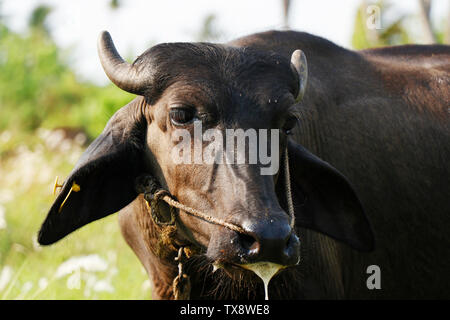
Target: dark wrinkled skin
[[355, 116], [379, 116]]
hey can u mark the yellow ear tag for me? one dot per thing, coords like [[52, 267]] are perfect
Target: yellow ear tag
[[75, 188], [56, 186]]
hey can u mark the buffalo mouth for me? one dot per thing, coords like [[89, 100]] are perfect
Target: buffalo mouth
[[264, 270], [234, 271], [259, 270]]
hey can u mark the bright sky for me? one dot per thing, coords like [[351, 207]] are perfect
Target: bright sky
[[139, 23]]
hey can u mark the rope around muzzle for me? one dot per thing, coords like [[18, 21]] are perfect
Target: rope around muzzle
[[153, 193]]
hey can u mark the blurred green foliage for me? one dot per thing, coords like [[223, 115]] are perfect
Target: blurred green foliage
[[38, 89], [39, 16], [364, 37], [38, 94], [209, 32], [377, 24]]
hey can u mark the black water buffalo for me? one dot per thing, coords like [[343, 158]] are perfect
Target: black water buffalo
[[366, 178]]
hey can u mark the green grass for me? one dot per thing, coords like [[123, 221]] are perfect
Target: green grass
[[38, 91], [27, 173]]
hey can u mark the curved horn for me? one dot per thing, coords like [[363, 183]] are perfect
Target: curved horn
[[298, 60], [120, 72]]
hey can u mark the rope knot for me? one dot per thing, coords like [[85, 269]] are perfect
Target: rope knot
[[153, 193]]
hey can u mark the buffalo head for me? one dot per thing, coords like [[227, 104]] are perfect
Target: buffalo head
[[192, 88]]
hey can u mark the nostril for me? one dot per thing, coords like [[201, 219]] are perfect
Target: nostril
[[267, 242], [248, 242]]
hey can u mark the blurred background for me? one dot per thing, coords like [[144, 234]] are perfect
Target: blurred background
[[55, 99]]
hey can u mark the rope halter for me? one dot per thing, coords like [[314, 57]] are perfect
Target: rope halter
[[154, 193]]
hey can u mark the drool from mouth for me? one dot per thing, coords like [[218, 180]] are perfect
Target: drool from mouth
[[264, 270]]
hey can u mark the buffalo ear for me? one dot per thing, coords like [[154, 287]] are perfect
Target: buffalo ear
[[105, 173], [325, 201]]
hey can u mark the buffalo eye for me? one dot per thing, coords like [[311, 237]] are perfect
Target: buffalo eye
[[290, 123], [181, 116]]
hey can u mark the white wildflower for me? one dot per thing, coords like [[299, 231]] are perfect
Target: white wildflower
[[112, 256], [5, 276], [42, 283], [65, 146], [54, 139], [5, 136], [80, 139], [26, 287], [90, 279], [74, 281], [43, 133], [36, 245], [112, 272], [19, 248], [90, 263], [29, 163], [103, 286], [87, 292], [3, 223], [6, 196], [143, 271], [146, 285], [90, 282], [74, 155]]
